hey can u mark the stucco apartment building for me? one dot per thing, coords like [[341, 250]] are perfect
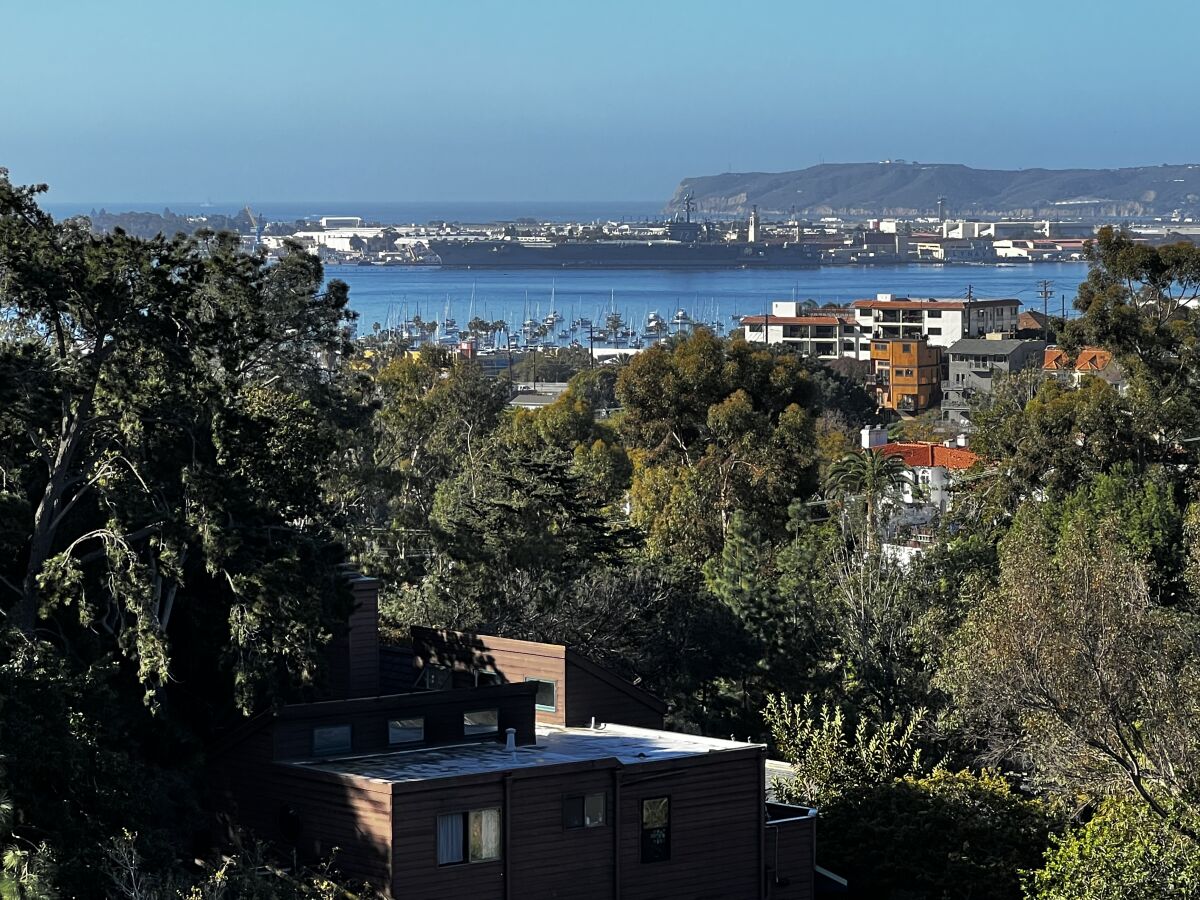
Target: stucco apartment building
[[830, 333]]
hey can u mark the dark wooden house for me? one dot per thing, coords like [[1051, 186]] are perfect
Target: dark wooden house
[[475, 792], [572, 690]]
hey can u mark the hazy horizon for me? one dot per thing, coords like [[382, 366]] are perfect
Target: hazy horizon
[[549, 102]]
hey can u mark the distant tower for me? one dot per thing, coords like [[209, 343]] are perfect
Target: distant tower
[[752, 235], [688, 205], [941, 209]]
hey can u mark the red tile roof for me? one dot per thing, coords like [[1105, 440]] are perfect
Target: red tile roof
[[920, 453], [1031, 320], [1090, 359]]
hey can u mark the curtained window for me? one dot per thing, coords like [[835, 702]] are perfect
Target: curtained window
[[476, 832], [450, 839], [485, 834]]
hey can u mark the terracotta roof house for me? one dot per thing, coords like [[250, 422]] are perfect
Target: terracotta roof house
[[1091, 361], [934, 470]]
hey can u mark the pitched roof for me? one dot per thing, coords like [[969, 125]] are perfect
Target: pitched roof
[[924, 454], [1031, 320], [1090, 359], [985, 347], [1053, 358]]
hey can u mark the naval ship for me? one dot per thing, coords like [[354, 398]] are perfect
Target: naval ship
[[685, 246]]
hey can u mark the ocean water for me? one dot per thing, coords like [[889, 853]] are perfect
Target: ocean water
[[388, 295], [393, 212]]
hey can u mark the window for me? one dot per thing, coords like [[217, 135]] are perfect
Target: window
[[882, 348], [588, 811], [484, 834], [481, 721], [906, 348], [405, 731], [656, 829], [435, 677], [478, 831], [330, 739], [546, 693], [933, 314], [934, 330]]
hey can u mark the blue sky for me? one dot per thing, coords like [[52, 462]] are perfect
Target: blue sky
[[553, 100]]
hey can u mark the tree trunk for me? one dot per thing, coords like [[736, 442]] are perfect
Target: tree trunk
[[23, 615]]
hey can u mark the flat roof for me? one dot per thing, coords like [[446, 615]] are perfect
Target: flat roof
[[793, 320], [932, 303], [556, 745]]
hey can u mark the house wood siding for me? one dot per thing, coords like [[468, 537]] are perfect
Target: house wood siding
[[790, 862], [513, 661], [589, 694], [414, 843], [583, 689], [716, 828], [369, 718], [542, 844], [351, 814], [716, 816], [312, 811]]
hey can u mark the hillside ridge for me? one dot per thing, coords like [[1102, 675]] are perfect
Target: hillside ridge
[[900, 188]]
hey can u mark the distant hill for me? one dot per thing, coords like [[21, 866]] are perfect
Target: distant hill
[[910, 189], [149, 224]]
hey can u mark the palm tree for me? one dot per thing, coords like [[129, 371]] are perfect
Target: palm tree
[[870, 474]]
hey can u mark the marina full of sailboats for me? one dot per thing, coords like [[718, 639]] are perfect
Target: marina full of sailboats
[[565, 323]]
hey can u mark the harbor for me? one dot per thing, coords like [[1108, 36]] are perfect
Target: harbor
[[633, 308]]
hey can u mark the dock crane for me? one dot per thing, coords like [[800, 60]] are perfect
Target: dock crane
[[256, 222]]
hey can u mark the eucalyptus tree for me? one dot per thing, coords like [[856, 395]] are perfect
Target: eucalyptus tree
[[168, 408]]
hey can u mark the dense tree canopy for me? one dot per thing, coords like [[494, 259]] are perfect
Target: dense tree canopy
[[193, 446]]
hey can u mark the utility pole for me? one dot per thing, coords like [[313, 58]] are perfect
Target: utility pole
[[1046, 290], [970, 323], [591, 347]]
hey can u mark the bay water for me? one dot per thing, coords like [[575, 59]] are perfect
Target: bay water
[[389, 295]]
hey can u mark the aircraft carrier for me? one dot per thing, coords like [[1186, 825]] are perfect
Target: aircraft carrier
[[686, 245], [519, 254]]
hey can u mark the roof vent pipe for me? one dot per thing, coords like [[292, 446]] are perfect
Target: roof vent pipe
[[510, 739]]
